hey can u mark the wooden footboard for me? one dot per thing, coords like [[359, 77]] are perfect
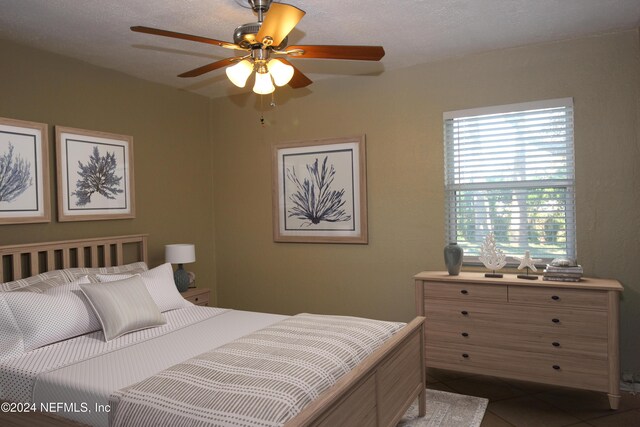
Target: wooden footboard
[[379, 390]]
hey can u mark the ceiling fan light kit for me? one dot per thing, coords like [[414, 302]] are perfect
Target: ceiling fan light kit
[[259, 40]]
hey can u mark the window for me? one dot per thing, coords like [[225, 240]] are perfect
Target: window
[[510, 169]]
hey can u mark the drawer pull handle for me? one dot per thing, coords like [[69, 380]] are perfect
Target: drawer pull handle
[[464, 334], [556, 367], [555, 297], [196, 299], [465, 355], [464, 312], [555, 320], [464, 292], [555, 344]]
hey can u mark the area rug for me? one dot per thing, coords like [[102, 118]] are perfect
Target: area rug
[[447, 410]]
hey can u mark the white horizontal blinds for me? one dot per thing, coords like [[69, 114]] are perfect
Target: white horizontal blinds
[[510, 170]]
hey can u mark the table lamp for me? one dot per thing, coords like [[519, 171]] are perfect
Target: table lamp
[[180, 254]]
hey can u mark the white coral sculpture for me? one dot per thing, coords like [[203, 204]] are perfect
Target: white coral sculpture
[[491, 256]]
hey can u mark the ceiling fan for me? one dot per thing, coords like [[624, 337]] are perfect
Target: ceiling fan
[[264, 48]]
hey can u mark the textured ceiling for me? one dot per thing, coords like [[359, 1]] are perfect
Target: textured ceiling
[[411, 31]]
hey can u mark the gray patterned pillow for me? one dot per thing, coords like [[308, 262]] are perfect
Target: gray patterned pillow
[[39, 283], [133, 268], [123, 306]]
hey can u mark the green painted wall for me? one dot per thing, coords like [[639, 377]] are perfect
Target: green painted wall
[[401, 114], [170, 129]]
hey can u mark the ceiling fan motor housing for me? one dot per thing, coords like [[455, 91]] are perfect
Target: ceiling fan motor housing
[[245, 36]]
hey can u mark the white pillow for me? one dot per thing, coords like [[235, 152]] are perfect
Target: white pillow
[[123, 306], [159, 283], [10, 335], [54, 315]]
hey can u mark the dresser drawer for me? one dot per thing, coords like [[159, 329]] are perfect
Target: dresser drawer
[[465, 291], [558, 297], [197, 296], [442, 334], [519, 318], [566, 371]]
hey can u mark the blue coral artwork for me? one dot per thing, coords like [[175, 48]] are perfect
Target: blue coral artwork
[[314, 198], [17, 176], [23, 193], [99, 182]]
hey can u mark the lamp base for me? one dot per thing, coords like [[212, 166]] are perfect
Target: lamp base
[[181, 278]]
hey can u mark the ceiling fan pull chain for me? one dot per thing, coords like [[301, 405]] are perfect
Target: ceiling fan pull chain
[[273, 100]]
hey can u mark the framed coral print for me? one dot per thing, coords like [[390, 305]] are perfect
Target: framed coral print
[[95, 175], [320, 191], [24, 172]]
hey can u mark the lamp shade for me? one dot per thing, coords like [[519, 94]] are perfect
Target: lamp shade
[[281, 72], [263, 85], [239, 73], [180, 253]]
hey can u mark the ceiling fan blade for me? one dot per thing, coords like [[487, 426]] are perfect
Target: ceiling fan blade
[[360, 53], [209, 67], [279, 21], [172, 34], [298, 80]]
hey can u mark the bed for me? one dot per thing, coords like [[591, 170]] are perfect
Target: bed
[[84, 377]]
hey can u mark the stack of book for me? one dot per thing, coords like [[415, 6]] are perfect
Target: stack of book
[[563, 274]]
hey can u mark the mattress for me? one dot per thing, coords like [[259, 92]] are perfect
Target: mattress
[[84, 371]]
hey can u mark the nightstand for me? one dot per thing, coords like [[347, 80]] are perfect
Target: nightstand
[[198, 296]]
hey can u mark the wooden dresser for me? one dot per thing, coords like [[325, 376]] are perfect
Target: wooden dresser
[[561, 333]]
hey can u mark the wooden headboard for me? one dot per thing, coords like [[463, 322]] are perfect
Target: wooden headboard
[[18, 261]]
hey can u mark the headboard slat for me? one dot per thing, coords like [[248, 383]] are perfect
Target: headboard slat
[[107, 255], [17, 266], [81, 256], [66, 258], [51, 259], [34, 262], [72, 254], [119, 255], [94, 255]]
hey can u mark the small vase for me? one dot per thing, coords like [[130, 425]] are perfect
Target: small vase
[[453, 258]]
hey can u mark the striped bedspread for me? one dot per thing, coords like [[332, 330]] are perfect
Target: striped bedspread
[[262, 379]]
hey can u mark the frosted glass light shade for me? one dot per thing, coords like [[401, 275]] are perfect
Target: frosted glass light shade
[[180, 253], [263, 85], [239, 73], [281, 72]]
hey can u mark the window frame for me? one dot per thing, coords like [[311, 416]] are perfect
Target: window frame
[[569, 184]]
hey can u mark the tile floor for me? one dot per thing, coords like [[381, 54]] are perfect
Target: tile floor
[[521, 404]]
